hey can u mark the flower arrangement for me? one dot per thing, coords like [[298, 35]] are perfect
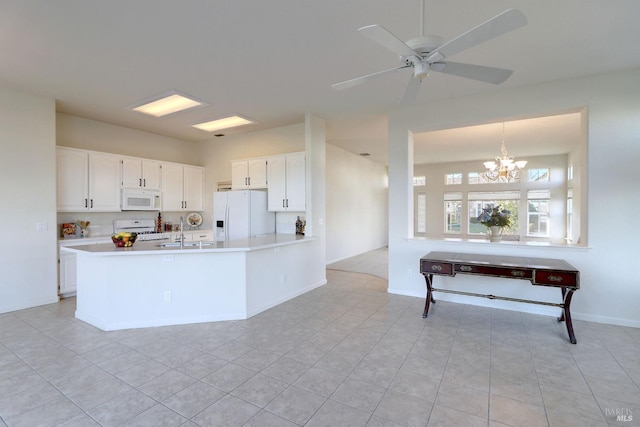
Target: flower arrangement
[[494, 216]]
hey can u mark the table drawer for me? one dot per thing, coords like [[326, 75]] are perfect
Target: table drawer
[[557, 278], [435, 267], [509, 272]]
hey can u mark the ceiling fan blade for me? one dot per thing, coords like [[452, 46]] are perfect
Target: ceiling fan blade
[[359, 80], [475, 72], [509, 20], [383, 37], [411, 91]]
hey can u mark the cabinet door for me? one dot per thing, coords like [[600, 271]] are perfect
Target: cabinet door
[[151, 175], [276, 175], [193, 188], [239, 175], [172, 187], [131, 173], [104, 183], [257, 169], [72, 180], [296, 182], [68, 277]]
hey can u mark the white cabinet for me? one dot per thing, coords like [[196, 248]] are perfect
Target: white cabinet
[[87, 181], [67, 265], [199, 236], [193, 236], [249, 174], [141, 173], [182, 187], [286, 182], [67, 276]]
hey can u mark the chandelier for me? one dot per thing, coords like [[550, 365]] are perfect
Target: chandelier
[[504, 168]]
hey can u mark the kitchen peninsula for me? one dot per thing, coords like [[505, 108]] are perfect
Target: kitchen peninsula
[[154, 285]]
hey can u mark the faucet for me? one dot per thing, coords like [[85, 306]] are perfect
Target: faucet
[[181, 237]]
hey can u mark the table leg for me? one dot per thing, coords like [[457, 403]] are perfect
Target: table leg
[[428, 279], [566, 313]]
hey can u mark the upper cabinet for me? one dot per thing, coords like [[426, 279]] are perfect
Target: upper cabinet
[[141, 173], [182, 187], [249, 174], [286, 177], [87, 181]]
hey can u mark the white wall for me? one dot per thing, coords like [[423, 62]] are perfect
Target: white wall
[[28, 197], [78, 132], [609, 286], [356, 204]]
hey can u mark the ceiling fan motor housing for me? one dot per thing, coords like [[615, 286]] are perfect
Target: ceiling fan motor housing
[[424, 45]]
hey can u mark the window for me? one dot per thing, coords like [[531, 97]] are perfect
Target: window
[[421, 207], [419, 181], [538, 213], [478, 178], [452, 212], [536, 175], [569, 215], [505, 199], [569, 172], [453, 179]]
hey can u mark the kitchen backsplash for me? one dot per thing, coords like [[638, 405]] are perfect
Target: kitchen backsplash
[[101, 224]]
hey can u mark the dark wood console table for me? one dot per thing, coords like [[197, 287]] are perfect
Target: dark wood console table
[[539, 271]]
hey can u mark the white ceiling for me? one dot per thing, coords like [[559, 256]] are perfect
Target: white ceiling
[[523, 138], [273, 61]]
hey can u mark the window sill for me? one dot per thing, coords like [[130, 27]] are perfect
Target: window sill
[[484, 241]]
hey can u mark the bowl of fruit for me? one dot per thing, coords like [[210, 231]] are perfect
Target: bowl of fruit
[[124, 239]]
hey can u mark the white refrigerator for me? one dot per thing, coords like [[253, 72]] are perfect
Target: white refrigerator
[[240, 214]]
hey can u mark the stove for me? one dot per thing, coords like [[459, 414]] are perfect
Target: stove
[[145, 228]]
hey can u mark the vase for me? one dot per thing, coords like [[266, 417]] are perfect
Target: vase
[[495, 233]]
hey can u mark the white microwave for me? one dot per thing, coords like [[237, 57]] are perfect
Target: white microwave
[[140, 200]]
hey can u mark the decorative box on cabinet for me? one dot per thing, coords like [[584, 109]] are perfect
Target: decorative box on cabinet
[[286, 177]]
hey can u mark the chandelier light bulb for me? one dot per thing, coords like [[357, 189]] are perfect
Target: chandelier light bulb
[[504, 168]]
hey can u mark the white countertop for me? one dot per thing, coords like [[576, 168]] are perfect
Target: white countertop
[[153, 247]]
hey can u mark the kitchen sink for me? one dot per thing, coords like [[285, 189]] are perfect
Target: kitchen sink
[[186, 244]]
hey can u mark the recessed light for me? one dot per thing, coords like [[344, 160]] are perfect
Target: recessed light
[[223, 123], [168, 103]]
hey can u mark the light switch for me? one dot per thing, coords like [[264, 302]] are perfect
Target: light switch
[[42, 226]]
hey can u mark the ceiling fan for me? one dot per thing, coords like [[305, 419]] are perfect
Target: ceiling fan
[[429, 53]]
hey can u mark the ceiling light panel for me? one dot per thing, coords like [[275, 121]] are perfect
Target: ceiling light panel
[[223, 123], [168, 103]]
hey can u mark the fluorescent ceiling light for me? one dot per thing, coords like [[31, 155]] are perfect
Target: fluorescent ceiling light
[[168, 103], [224, 123]]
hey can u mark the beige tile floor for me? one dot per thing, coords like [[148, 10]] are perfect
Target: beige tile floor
[[345, 354]]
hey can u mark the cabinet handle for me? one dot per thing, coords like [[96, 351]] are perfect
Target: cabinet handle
[[86, 203], [144, 182], [283, 203], [249, 181], [287, 202], [245, 181], [185, 204], [139, 182], [91, 203]]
